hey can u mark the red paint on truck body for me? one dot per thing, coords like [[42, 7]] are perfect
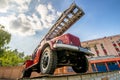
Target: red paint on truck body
[[28, 63], [68, 39], [65, 38]]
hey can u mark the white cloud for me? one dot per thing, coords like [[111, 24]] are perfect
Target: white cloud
[[21, 25], [17, 22], [22, 4], [3, 5], [19, 5], [5, 20], [48, 14], [43, 11]]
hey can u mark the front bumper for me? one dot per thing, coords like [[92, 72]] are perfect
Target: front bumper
[[73, 48]]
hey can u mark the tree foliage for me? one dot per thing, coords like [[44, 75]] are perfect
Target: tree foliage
[[13, 58], [9, 57], [27, 57], [5, 37]]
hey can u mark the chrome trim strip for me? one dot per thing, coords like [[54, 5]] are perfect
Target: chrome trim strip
[[72, 47]]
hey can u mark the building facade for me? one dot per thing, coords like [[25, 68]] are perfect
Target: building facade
[[107, 46]]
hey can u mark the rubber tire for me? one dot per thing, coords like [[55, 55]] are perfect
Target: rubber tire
[[52, 62], [26, 73], [81, 64]]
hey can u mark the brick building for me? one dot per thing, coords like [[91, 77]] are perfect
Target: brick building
[[106, 46], [106, 58]]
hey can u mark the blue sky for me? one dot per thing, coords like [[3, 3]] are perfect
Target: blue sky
[[29, 20]]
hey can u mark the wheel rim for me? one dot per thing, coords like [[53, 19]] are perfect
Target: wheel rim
[[45, 60]]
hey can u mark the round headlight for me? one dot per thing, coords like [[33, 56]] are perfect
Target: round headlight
[[59, 41]]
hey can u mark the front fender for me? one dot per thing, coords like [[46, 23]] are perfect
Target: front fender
[[40, 50], [49, 43], [28, 63]]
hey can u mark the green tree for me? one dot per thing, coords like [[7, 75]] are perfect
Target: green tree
[[11, 58], [5, 38], [27, 57], [8, 57], [20, 54]]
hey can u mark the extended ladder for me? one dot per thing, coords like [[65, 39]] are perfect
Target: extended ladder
[[67, 18]]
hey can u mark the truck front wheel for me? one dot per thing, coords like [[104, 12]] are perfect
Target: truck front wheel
[[81, 65], [48, 61]]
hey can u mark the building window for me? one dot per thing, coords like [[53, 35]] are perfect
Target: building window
[[116, 48], [103, 48], [113, 66], [96, 50], [101, 67], [118, 42], [93, 68]]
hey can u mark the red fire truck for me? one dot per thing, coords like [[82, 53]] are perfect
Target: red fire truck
[[57, 49]]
